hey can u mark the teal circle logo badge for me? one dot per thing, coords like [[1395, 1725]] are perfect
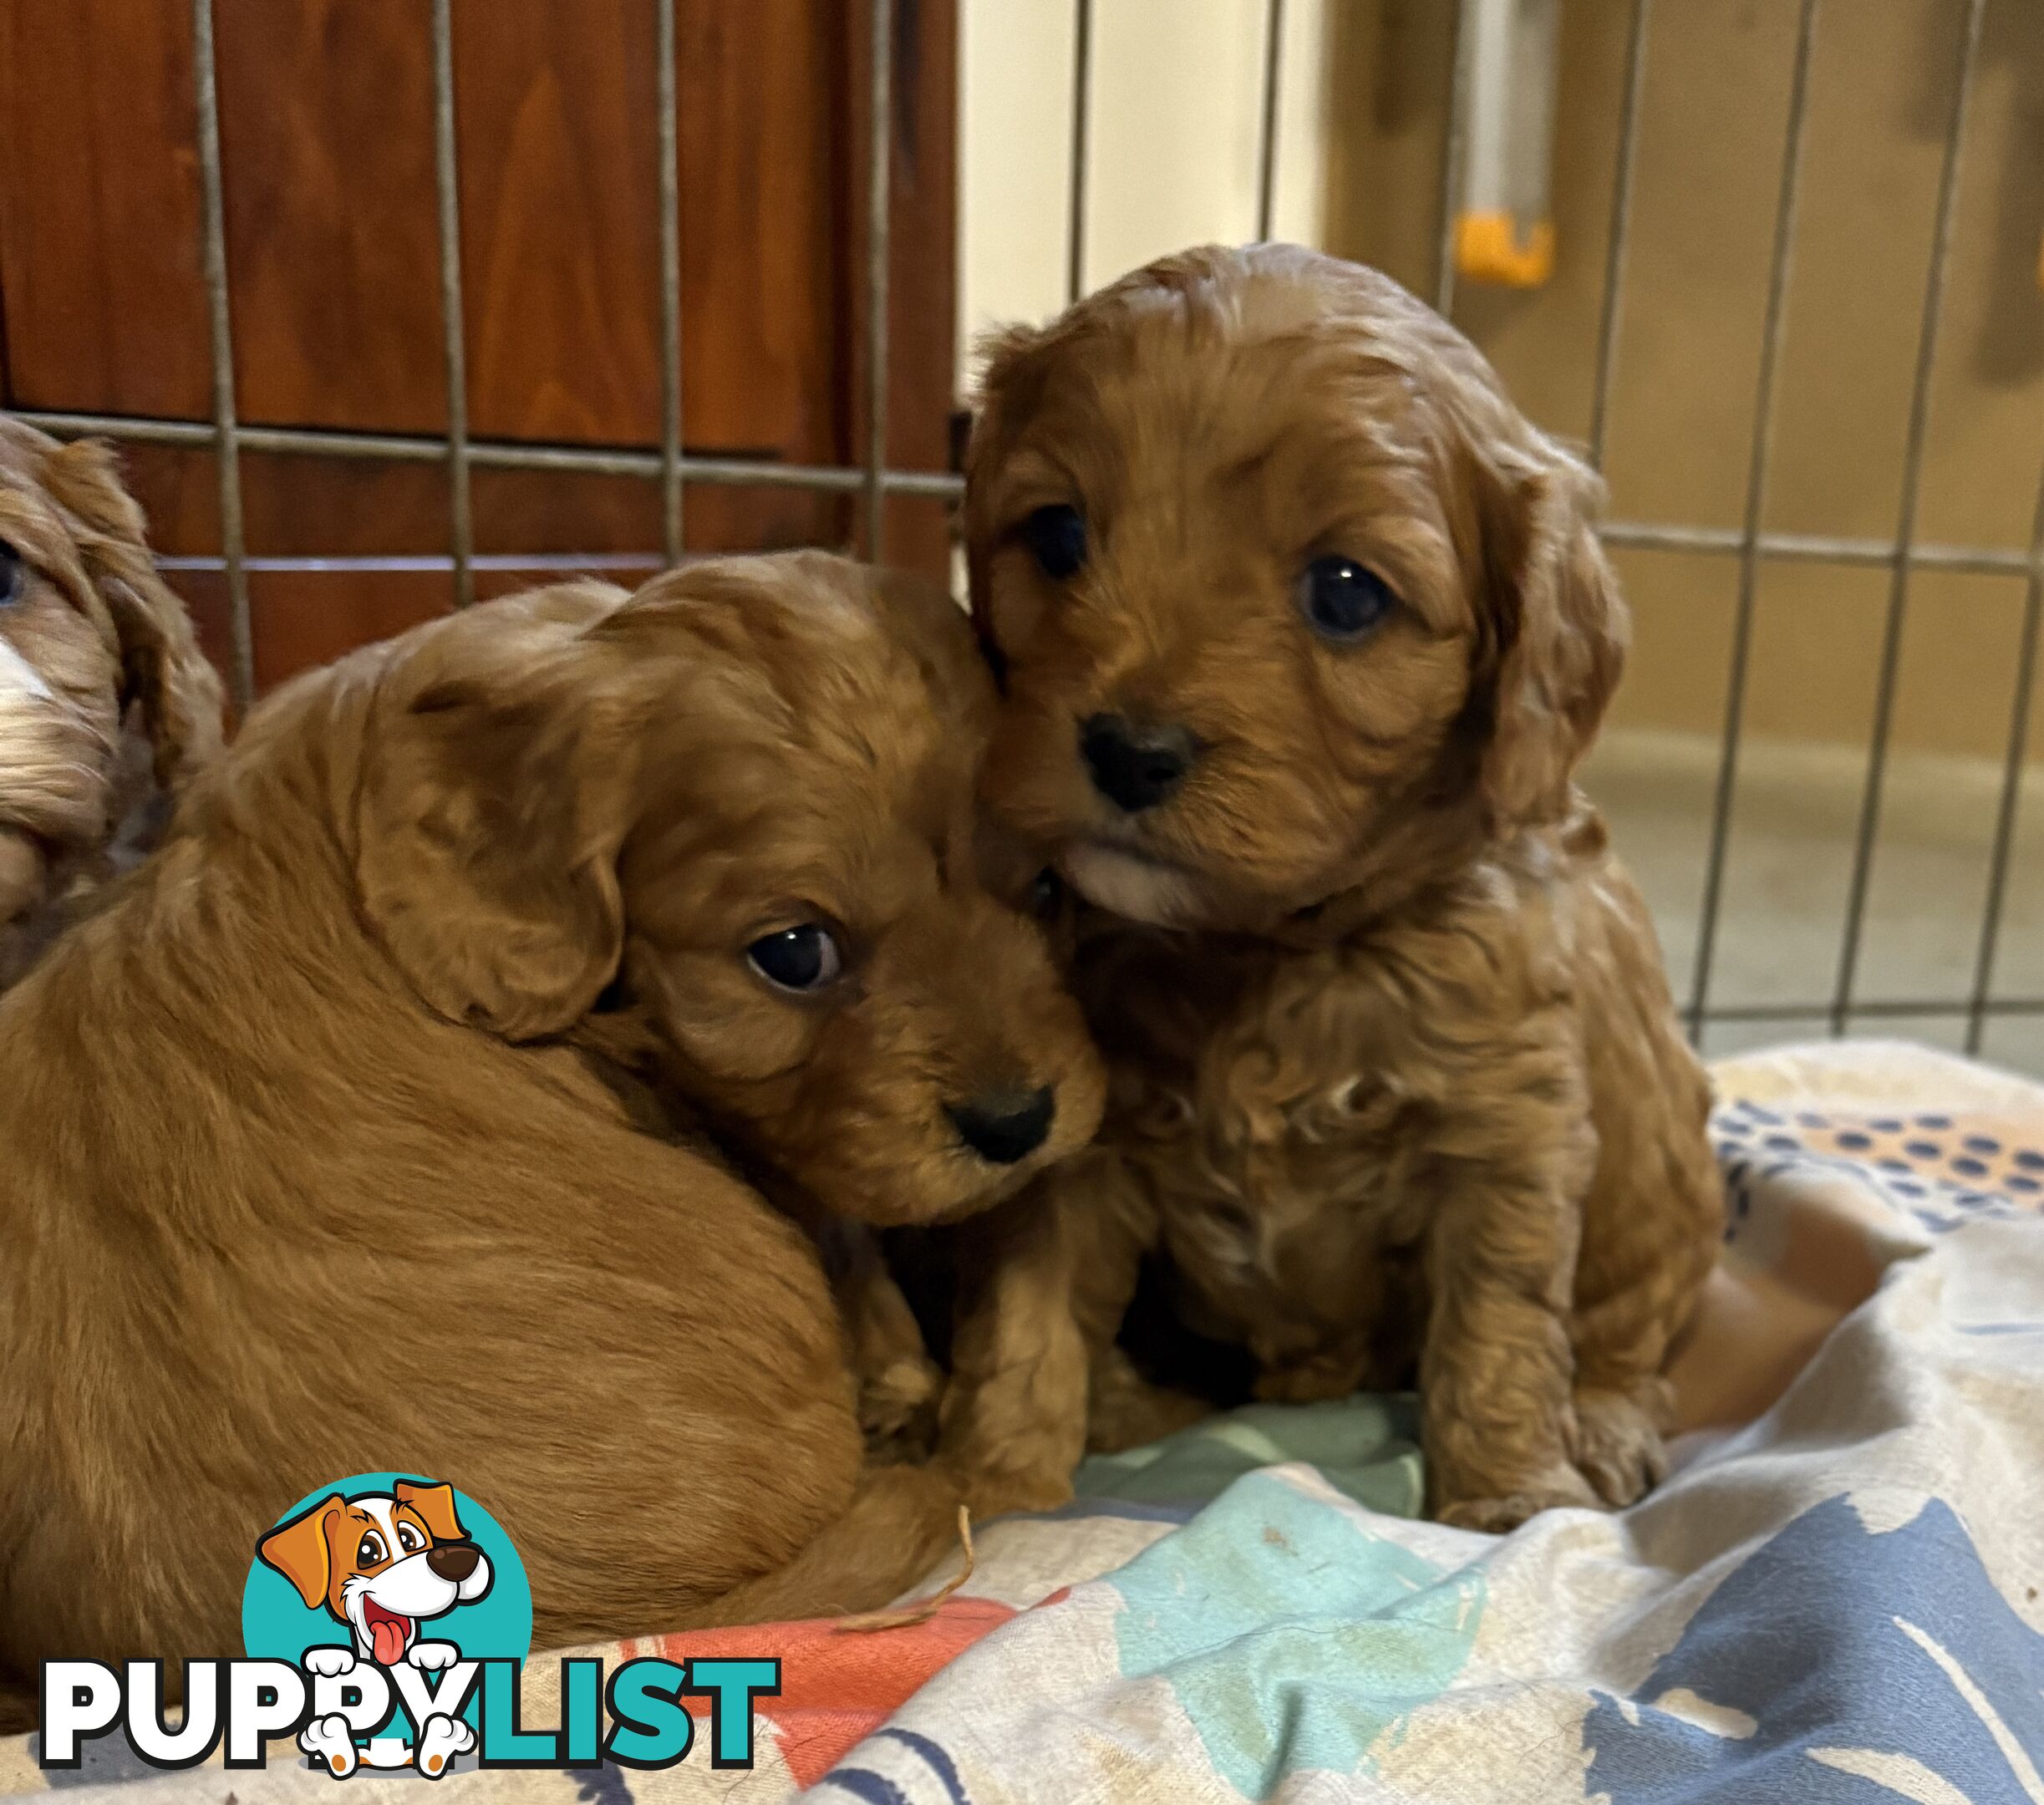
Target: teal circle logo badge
[[390, 1588]]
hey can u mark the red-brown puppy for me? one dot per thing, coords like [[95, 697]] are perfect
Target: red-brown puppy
[[1304, 629], [316, 1156], [91, 644]]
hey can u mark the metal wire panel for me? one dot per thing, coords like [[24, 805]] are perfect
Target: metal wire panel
[[1081, 139], [1979, 1006], [673, 468], [1905, 528], [879, 240], [225, 436], [447, 183], [670, 286], [1773, 331], [1267, 137], [1620, 233], [1454, 145]]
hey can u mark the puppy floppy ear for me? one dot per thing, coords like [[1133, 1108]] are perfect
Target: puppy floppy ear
[[1005, 391], [1558, 630], [162, 668], [298, 1550], [435, 1504], [492, 807]]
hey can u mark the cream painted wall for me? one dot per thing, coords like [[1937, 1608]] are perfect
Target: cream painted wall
[[1176, 114], [1176, 89]]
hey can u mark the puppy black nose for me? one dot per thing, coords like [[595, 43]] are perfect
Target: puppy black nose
[[1005, 1125], [453, 1560], [1134, 767]]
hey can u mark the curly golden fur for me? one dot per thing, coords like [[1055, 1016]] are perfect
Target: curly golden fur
[[1395, 1079], [325, 1131], [107, 705]]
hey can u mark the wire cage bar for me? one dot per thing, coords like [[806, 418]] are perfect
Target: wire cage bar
[[225, 436], [1905, 526], [1620, 232], [1773, 332], [871, 481], [672, 502], [454, 327], [1081, 144]]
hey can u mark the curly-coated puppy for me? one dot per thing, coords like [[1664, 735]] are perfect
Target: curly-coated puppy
[[303, 1112], [1303, 630], [106, 704]]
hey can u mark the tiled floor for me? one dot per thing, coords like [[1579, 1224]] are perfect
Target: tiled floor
[[1787, 872]]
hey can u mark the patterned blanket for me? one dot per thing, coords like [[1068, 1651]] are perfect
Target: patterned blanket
[[1838, 1596]]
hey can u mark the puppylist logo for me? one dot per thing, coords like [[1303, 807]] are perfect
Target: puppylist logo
[[386, 1619]]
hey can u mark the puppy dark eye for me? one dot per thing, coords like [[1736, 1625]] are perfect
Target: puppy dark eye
[[1046, 895], [409, 1539], [1343, 599], [371, 1551], [1056, 539], [13, 574], [796, 959]]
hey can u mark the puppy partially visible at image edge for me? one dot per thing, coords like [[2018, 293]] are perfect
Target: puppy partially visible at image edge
[[1303, 629], [107, 705], [336, 1073]]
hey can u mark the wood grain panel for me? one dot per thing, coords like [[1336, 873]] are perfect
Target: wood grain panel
[[332, 233], [342, 507], [99, 208], [333, 245], [305, 618], [560, 218], [291, 506], [763, 225]]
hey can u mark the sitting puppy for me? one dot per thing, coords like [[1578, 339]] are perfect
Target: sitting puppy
[[98, 670], [303, 1174], [1303, 629]]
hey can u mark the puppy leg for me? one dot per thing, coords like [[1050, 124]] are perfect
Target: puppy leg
[[1640, 1275], [1125, 1410], [1496, 1370], [1049, 1280], [899, 1383], [1336, 1372], [1622, 1406]]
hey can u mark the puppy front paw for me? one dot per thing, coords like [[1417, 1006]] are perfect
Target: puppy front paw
[[429, 1657], [329, 1739], [1561, 1488], [1618, 1446], [898, 1409], [329, 1663], [1125, 1410], [1316, 1380]]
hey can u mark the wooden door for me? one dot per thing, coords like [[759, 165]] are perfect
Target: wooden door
[[326, 111]]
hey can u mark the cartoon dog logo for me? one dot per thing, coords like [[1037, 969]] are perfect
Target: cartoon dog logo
[[382, 1564]]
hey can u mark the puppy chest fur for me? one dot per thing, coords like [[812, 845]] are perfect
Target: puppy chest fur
[[1300, 1114]]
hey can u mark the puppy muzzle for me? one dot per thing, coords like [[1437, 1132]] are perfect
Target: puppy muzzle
[[53, 772]]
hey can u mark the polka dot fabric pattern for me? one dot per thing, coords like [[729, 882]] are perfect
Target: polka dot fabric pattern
[[1936, 1166]]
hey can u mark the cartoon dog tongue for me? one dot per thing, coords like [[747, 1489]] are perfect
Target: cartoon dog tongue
[[386, 1631]]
